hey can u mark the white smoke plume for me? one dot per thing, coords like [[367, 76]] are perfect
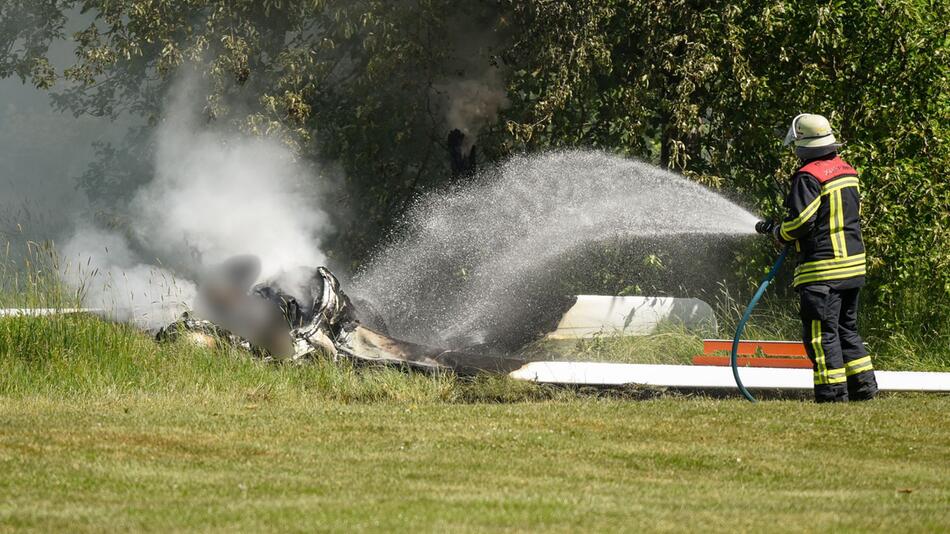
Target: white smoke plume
[[214, 195]]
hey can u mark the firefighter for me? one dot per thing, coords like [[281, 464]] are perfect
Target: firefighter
[[824, 224]]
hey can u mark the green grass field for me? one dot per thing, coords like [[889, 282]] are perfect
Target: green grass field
[[102, 429]]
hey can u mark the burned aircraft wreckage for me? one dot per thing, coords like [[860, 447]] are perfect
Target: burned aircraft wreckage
[[315, 319]]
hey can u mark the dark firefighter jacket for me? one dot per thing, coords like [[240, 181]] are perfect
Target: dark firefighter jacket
[[823, 220]]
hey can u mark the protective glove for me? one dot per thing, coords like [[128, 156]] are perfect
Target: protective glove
[[770, 228], [777, 237]]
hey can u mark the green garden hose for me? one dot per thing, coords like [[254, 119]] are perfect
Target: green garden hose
[[745, 318]]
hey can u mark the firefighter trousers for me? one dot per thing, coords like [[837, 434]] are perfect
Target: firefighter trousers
[[842, 366]]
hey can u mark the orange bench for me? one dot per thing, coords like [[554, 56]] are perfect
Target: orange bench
[[781, 354]]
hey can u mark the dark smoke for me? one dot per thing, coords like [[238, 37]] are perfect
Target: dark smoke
[[473, 91]]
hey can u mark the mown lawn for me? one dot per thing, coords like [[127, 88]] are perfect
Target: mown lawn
[[207, 463], [101, 429]]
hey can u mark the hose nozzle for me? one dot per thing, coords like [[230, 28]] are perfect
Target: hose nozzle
[[764, 227]]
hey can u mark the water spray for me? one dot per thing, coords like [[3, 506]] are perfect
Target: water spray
[[473, 260], [762, 227]]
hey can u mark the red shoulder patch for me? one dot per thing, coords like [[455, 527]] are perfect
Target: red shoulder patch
[[826, 170]]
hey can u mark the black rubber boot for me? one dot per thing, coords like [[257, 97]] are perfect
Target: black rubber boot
[[831, 393], [862, 386]]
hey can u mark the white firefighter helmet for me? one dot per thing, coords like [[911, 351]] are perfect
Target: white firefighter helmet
[[810, 131]]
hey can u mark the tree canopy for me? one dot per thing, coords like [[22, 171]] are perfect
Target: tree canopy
[[700, 87]]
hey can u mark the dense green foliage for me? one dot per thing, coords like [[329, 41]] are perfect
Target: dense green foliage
[[702, 87], [697, 86]]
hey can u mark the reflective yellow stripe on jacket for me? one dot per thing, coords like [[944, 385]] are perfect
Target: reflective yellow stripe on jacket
[[840, 183], [835, 273], [794, 224]]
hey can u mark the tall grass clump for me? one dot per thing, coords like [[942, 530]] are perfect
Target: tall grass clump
[[83, 356], [32, 279]]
